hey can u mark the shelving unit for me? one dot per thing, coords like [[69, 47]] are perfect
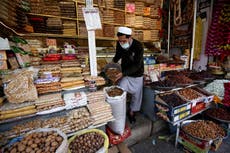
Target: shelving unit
[[81, 32]]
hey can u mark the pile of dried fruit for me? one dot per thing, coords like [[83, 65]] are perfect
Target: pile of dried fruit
[[219, 113], [87, 143], [38, 142], [207, 130], [189, 94], [172, 99], [113, 92]]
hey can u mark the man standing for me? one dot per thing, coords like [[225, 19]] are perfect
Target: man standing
[[130, 51]]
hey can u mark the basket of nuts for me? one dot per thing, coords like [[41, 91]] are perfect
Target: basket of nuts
[[90, 141], [40, 140]]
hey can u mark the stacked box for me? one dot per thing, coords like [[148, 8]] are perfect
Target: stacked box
[[146, 35], [69, 28], [138, 34], [139, 7], [153, 10], [108, 31], [154, 35], [37, 6], [52, 10], [54, 25], [79, 11], [109, 3], [82, 29], [108, 16], [147, 22], [68, 9], [139, 21], [130, 19], [119, 17], [120, 4]]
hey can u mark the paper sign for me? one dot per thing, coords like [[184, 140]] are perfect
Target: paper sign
[[92, 18], [51, 42]]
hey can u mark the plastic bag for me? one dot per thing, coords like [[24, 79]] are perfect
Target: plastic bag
[[21, 88], [118, 104]]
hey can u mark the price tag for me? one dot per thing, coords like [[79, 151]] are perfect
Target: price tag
[[92, 18]]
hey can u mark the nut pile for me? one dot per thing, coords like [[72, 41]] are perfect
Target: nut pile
[[189, 94], [37, 142], [113, 92], [172, 99], [207, 130], [88, 142]]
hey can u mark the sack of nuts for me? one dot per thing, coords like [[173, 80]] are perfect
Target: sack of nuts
[[90, 141], [40, 140]]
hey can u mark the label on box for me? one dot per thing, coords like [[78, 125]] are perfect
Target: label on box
[[184, 108], [181, 116]]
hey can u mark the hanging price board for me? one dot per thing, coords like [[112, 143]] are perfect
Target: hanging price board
[[92, 18]]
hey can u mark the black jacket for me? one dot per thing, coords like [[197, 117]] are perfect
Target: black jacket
[[132, 63]]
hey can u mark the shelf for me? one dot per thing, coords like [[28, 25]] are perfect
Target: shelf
[[63, 36], [54, 16], [149, 16], [115, 9]]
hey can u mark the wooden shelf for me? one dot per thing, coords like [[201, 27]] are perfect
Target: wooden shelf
[[64, 36], [54, 16], [115, 9]]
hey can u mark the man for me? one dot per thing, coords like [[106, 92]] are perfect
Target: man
[[130, 51]]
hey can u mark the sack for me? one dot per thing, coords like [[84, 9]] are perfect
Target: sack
[[63, 148], [104, 149], [118, 104]]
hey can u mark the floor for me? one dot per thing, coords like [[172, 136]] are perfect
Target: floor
[[154, 145]]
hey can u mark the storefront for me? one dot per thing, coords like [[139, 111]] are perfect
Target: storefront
[[58, 82]]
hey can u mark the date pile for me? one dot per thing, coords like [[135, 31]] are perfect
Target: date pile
[[219, 113], [88, 142], [172, 99], [206, 130], [38, 142]]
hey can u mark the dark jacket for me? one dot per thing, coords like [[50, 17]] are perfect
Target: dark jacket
[[131, 60]]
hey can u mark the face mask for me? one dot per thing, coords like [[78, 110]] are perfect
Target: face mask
[[125, 45]]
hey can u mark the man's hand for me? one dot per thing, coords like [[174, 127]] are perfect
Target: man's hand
[[118, 76]]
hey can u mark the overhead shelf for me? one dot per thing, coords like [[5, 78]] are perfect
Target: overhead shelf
[[63, 36]]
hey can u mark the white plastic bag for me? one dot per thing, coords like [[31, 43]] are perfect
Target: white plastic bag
[[118, 104]]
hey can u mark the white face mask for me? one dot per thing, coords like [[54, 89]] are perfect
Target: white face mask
[[125, 45]]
